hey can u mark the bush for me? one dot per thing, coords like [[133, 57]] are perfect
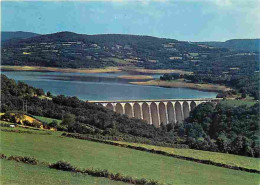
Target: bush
[[27, 160], [54, 124], [2, 156], [27, 123], [62, 165]]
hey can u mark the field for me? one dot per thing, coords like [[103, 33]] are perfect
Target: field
[[138, 164], [47, 120], [183, 84], [20, 173], [234, 160], [238, 102], [117, 60]]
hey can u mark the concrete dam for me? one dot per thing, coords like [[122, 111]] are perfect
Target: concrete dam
[[155, 112]]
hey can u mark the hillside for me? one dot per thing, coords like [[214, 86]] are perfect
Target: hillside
[[8, 35], [85, 154], [248, 45], [71, 50]]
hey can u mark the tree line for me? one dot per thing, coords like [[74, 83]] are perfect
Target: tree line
[[244, 84]]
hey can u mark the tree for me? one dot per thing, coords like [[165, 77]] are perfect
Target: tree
[[223, 143], [39, 92], [49, 94], [54, 124], [68, 120]]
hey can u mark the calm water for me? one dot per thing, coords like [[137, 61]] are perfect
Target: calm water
[[101, 86]]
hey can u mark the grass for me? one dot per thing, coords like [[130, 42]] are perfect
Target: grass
[[183, 84], [138, 164], [117, 60], [56, 69], [47, 120], [234, 160], [20, 173], [30, 129], [231, 102], [5, 122]]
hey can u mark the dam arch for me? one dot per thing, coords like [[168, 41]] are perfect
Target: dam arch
[[186, 109], [146, 113], [110, 106], [129, 110], [178, 112], [192, 105], [162, 113], [137, 111], [119, 108], [171, 113], [155, 116]]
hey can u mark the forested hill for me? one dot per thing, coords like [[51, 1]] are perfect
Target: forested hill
[[7, 35], [237, 44], [67, 49]]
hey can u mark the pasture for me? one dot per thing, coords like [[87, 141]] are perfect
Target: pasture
[[138, 164], [20, 173], [47, 120], [231, 102], [229, 159]]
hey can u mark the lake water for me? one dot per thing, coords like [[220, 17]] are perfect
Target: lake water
[[101, 86]]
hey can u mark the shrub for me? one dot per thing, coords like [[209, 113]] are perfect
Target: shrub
[[62, 165], [27, 160], [2, 156]]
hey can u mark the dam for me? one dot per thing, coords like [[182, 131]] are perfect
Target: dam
[[156, 112]]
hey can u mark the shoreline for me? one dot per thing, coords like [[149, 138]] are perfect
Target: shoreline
[[92, 70], [156, 71], [136, 77], [56, 69], [182, 84]]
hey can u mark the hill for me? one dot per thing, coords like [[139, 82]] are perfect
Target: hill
[[248, 45], [71, 50], [125, 161], [8, 35]]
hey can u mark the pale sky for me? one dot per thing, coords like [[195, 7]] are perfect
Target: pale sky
[[189, 20]]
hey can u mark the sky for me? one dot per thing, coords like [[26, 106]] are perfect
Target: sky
[[188, 20]]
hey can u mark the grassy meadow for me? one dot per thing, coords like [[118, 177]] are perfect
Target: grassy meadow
[[230, 159], [230, 102], [47, 120], [183, 84], [138, 164], [20, 173]]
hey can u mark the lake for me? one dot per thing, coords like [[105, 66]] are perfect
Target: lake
[[101, 86]]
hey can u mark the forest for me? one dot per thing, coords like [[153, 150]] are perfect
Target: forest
[[210, 127], [223, 128]]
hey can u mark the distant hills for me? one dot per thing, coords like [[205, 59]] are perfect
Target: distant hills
[[72, 50], [6, 35], [234, 44], [237, 44]]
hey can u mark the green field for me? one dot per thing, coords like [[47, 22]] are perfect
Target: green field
[[138, 164], [47, 120], [20, 173], [6, 123], [234, 160], [230, 102]]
